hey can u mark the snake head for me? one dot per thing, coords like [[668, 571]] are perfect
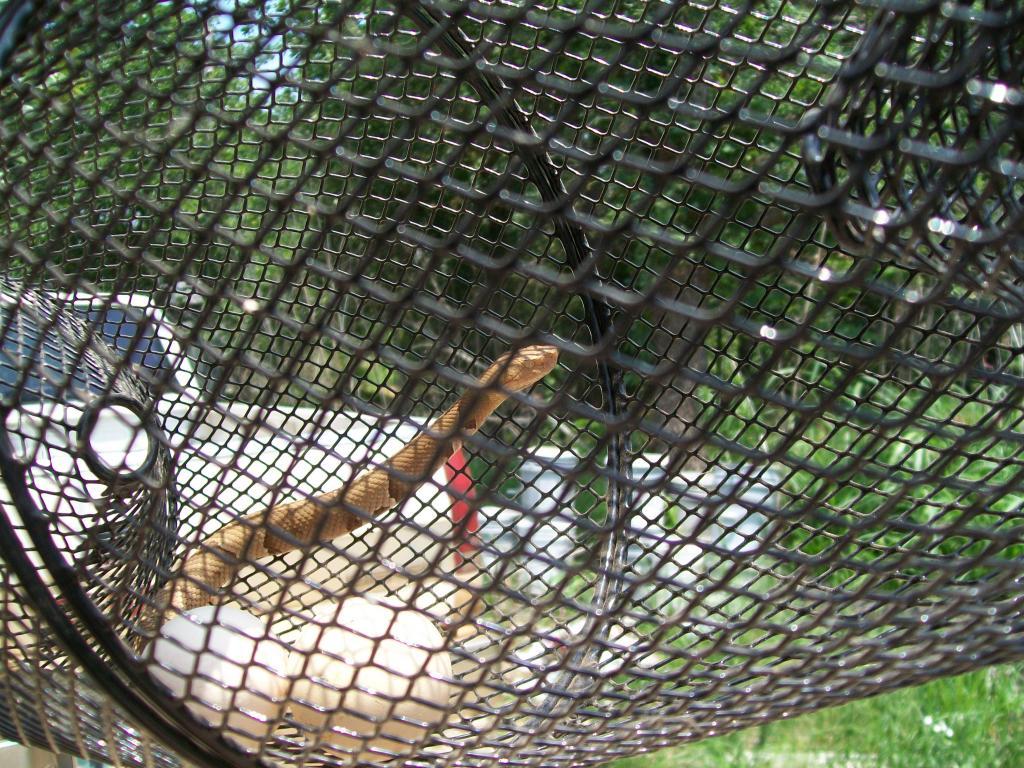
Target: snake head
[[521, 368]]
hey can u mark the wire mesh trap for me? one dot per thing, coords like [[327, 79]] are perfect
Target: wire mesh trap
[[546, 382]]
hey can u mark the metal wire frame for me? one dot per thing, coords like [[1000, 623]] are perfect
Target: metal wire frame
[[778, 466]]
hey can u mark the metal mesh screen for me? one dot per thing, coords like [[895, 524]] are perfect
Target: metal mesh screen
[[292, 474]]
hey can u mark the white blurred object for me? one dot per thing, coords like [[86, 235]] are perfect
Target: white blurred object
[[549, 491], [737, 527], [542, 527], [228, 668], [652, 539], [699, 498], [370, 676]]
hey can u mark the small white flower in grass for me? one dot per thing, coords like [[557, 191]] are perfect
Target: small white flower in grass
[[937, 726]]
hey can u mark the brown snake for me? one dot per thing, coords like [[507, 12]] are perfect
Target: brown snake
[[316, 520]]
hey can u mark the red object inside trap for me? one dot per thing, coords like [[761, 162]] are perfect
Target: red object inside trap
[[464, 515]]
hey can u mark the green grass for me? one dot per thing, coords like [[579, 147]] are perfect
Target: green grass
[[970, 721]]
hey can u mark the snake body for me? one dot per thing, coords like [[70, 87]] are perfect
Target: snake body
[[318, 519]]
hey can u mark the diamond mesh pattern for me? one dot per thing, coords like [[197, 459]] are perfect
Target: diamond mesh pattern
[[777, 467]]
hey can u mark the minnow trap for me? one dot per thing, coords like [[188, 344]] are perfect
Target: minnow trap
[[445, 383]]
